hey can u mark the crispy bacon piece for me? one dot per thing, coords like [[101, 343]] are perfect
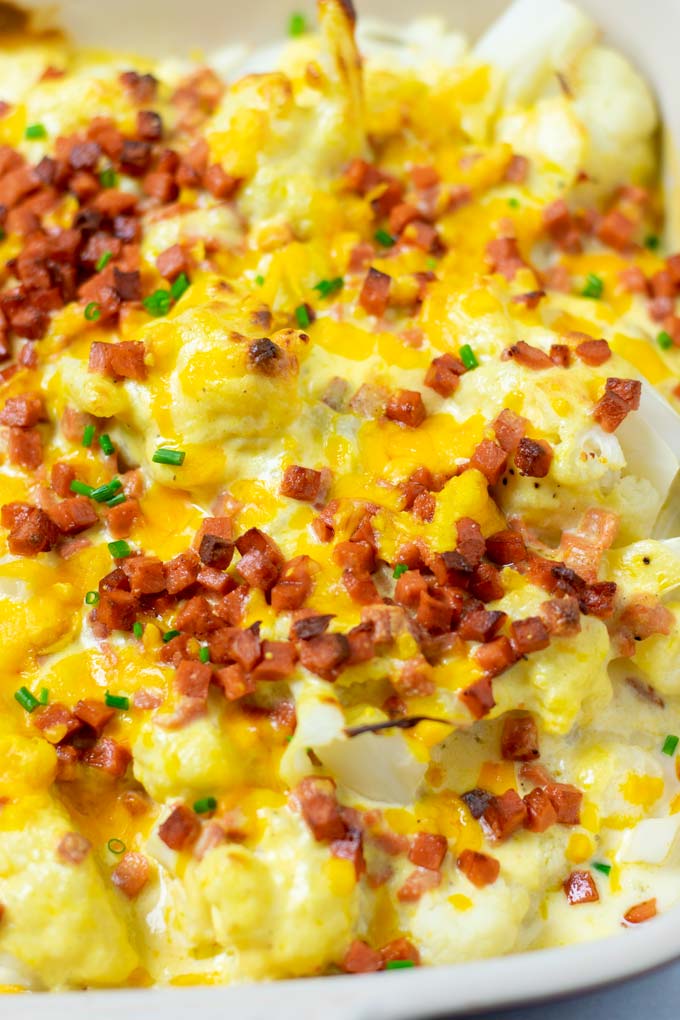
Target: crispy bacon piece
[[61, 477], [509, 428], [593, 352], [357, 556], [504, 815], [181, 572], [145, 574], [325, 655], [559, 224], [94, 713], [73, 515], [277, 662], [171, 262], [485, 583], [580, 887], [261, 560], [478, 624], [480, 869], [131, 874], [566, 799], [503, 256], [216, 551], [506, 547], [56, 722], [418, 882], [361, 959], [616, 230], [478, 697], [234, 681], [73, 848], [491, 459], [31, 530], [644, 615], [407, 407], [400, 949], [528, 356], [360, 587], [121, 519], [562, 616], [519, 739], [633, 280], [529, 635], [180, 829], [496, 656], [443, 375], [122, 360], [243, 646], [541, 813], [434, 614], [301, 483], [25, 448], [218, 182], [470, 543], [477, 801], [533, 457], [293, 587], [375, 292], [24, 410], [640, 912], [598, 599], [621, 396], [428, 850], [117, 610], [517, 169], [192, 679], [320, 809], [109, 756]]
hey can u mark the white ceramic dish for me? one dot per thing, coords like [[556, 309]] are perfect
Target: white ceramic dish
[[648, 33]]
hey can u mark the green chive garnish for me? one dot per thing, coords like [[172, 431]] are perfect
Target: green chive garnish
[[664, 340], [103, 262], [117, 701], [399, 964], [107, 178], [670, 745], [204, 805], [652, 242], [26, 699], [513, 203], [431, 264], [92, 311], [600, 866], [179, 286], [259, 280], [302, 316], [467, 356], [158, 303], [165, 456], [384, 238], [204, 653], [44, 696], [400, 569], [137, 629], [105, 492], [594, 287], [80, 488], [297, 24], [34, 131], [117, 500], [119, 549], [327, 287], [116, 846], [92, 598], [88, 435], [106, 444], [169, 635]]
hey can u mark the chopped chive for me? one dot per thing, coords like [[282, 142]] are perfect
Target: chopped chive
[[259, 280], [670, 745], [34, 131], [431, 264], [399, 964], [26, 699], [44, 696], [513, 203], [179, 286], [104, 492], [467, 356], [88, 435], [117, 701], [384, 238], [204, 653], [664, 340], [158, 303], [107, 178], [327, 287], [92, 598], [594, 286], [652, 242], [302, 316], [3, 235], [103, 262], [137, 629], [81, 488], [117, 500], [165, 456], [119, 549], [204, 805], [399, 569], [92, 311], [169, 635], [116, 846], [297, 24], [106, 445], [600, 866]]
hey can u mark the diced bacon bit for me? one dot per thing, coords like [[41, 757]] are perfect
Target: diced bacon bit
[[145, 574], [491, 459], [541, 813], [424, 177], [640, 912], [131, 874], [633, 280], [94, 714], [121, 519], [56, 722], [443, 375], [400, 216], [434, 613], [234, 681], [529, 635], [580, 887], [73, 515], [277, 662], [495, 657], [109, 756], [504, 815], [503, 256], [598, 599], [477, 801], [117, 610], [414, 680], [294, 585], [566, 799], [73, 848], [350, 848], [533, 457], [559, 224], [301, 483], [171, 262], [418, 882], [478, 697], [361, 959], [593, 352], [470, 543], [519, 739], [621, 396], [369, 401], [560, 355], [31, 530], [616, 230], [506, 547], [192, 679], [531, 299], [509, 428], [478, 624], [215, 551], [645, 615], [363, 177], [528, 356], [360, 587], [23, 411], [180, 829], [480, 869], [375, 292], [325, 655], [407, 407], [25, 448], [122, 360], [261, 560], [400, 949], [517, 169], [562, 616], [357, 556], [537, 775], [320, 809], [61, 477], [486, 584], [428, 850], [181, 572]]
